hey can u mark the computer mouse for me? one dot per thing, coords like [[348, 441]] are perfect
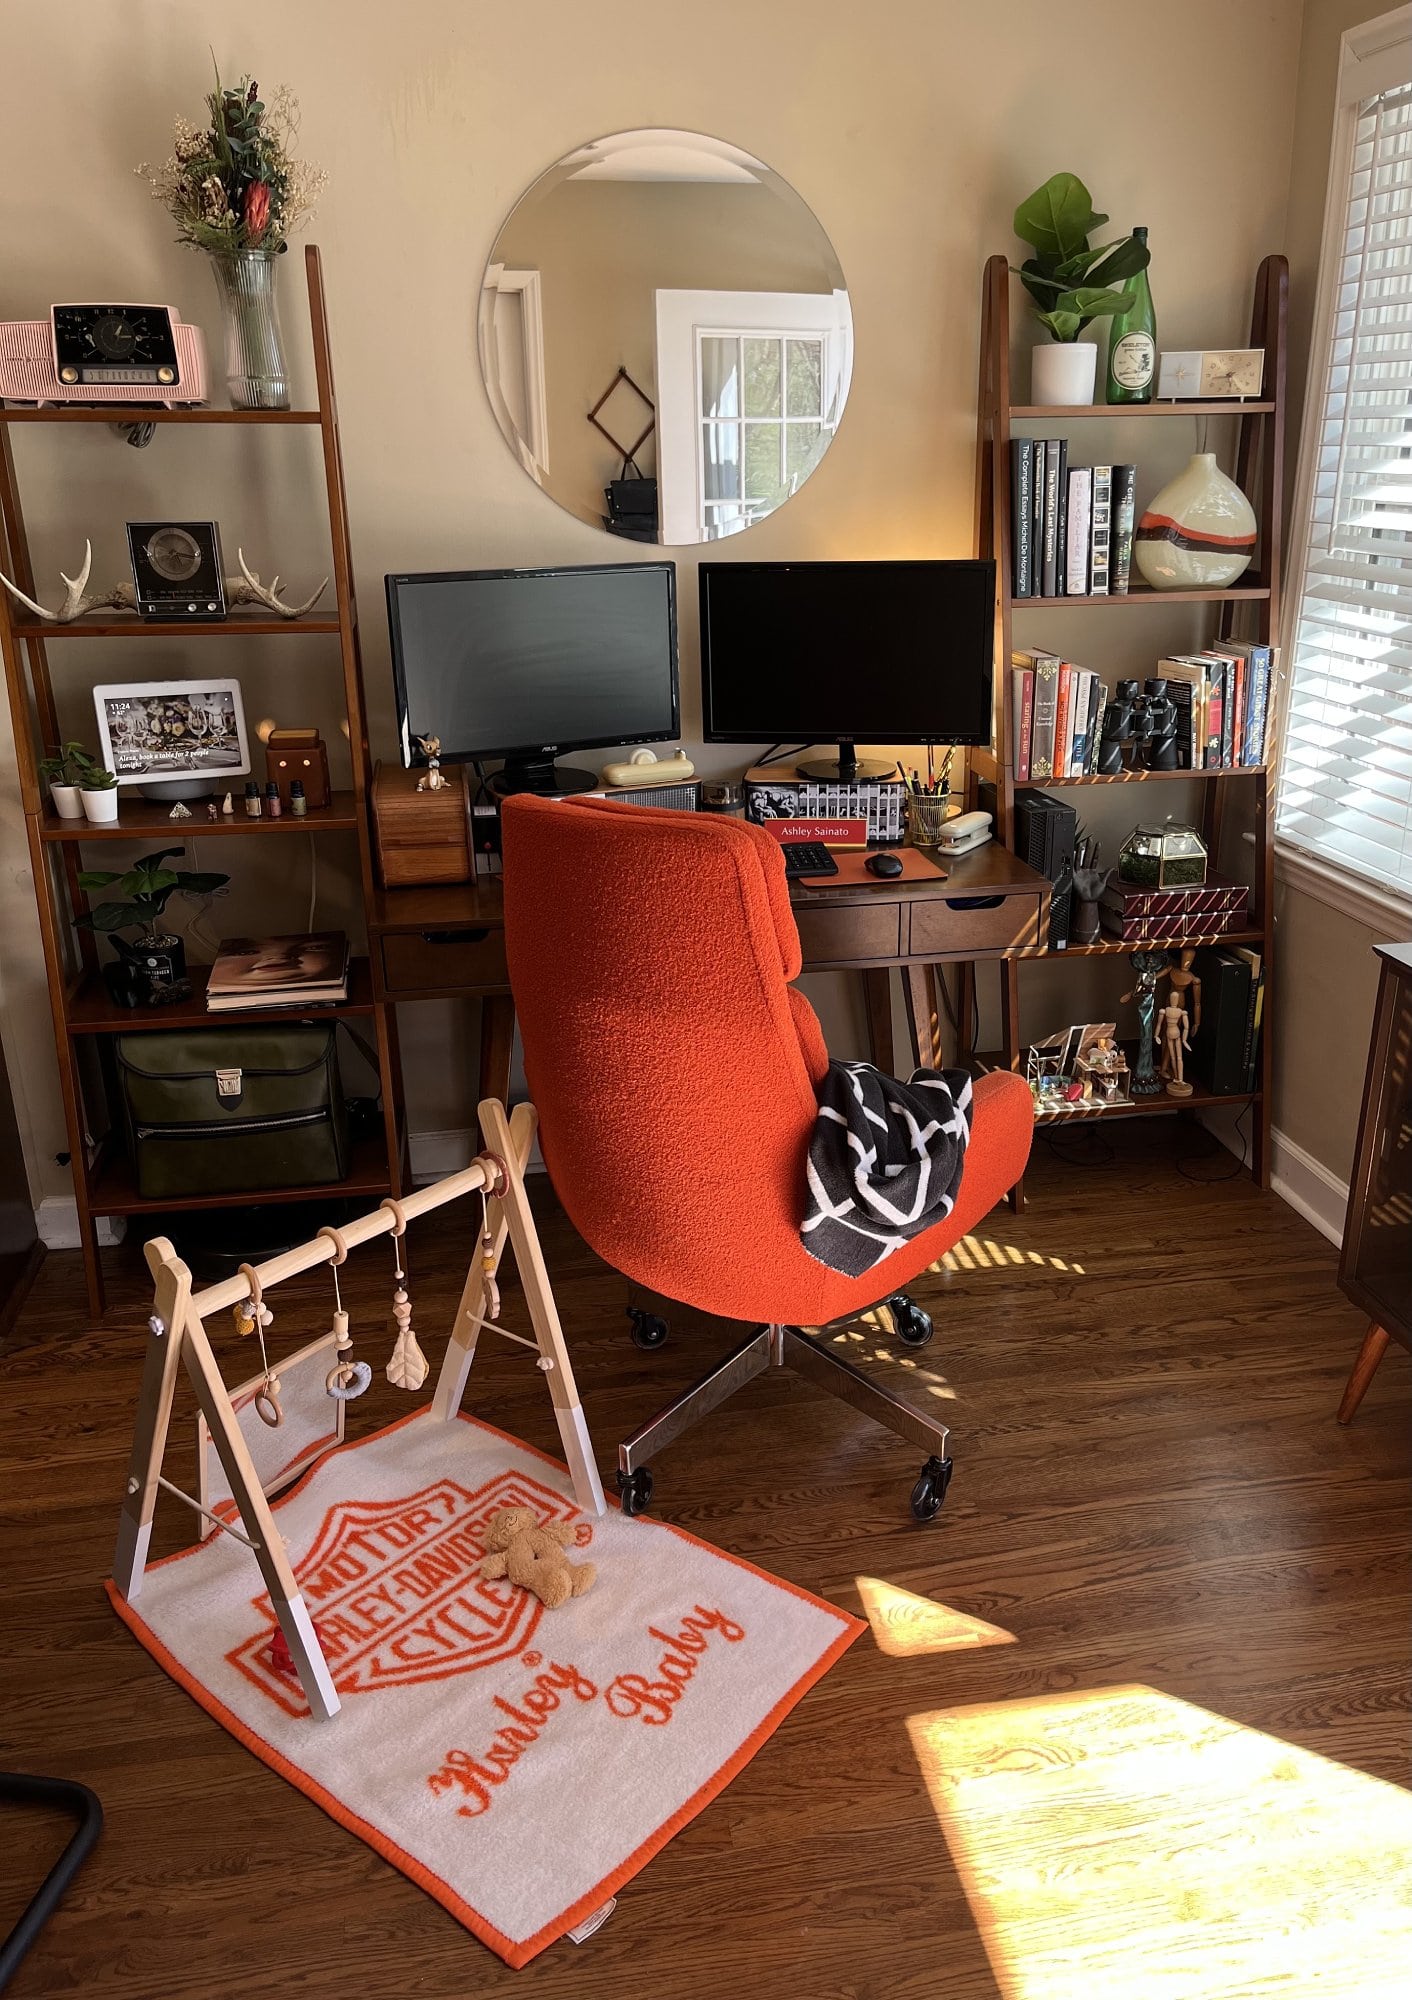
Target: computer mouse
[[883, 864]]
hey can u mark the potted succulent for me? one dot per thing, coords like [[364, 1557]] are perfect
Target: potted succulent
[[1071, 284], [63, 772], [98, 788], [151, 966]]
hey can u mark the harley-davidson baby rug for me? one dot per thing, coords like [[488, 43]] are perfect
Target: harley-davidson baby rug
[[518, 1764]]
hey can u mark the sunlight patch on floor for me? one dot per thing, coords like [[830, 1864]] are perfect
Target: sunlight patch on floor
[[979, 1253], [937, 1385], [904, 1624], [1120, 1844]]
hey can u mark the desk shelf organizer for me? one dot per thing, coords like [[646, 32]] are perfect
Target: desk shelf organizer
[[1259, 471], [103, 1179]]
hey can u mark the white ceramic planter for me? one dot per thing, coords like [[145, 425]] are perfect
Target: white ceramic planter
[[1199, 531], [101, 808], [1063, 372], [68, 803]]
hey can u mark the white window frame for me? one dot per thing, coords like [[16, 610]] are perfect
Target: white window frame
[[532, 450], [682, 318], [1372, 58]]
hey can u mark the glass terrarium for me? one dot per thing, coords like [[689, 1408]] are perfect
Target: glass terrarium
[[1170, 856]]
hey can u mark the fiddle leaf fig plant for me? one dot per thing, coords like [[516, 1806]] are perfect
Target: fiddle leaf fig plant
[[1072, 282], [147, 888]]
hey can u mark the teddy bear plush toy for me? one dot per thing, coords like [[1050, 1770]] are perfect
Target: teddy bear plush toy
[[533, 1556]]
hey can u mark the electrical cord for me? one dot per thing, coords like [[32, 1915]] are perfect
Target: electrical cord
[[1231, 1173]]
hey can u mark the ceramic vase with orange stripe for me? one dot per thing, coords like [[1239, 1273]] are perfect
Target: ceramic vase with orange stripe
[[1199, 532]]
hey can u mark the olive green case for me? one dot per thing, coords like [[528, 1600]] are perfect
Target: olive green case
[[212, 1111]]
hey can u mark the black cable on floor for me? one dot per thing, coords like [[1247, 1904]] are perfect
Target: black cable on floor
[[1231, 1173], [1093, 1151]]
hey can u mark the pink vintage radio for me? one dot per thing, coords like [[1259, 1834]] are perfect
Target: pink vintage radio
[[103, 354]]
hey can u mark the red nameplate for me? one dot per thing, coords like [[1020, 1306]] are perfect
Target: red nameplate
[[830, 832]]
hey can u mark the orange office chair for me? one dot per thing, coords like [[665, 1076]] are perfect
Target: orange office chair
[[673, 1067]]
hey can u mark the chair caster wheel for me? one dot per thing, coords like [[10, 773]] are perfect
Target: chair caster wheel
[[635, 1490], [648, 1331], [912, 1326], [930, 1489]]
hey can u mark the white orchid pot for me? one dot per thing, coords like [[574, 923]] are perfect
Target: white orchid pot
[[68, 802], [1063, 372], [1199, 531], [101, 808]]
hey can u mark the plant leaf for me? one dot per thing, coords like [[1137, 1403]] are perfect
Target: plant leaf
[[1094, 302], [1063, 325], [1120, 260], [97, 878], [1058, 217], [201, 884], [111, 917]]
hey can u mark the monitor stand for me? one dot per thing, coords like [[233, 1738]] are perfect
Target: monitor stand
[[541, 775], [846, 768]]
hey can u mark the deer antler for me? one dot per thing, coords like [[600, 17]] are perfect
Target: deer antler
[[252, 591], [119, 598]]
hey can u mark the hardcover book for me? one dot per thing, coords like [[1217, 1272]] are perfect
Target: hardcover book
[[1022, 718], [1036, 516], [1051, 517], [1124, 517], [1046, 702], [1080, 522], [1099, 532], [296, 971], [1021, 511], [1062, 724]]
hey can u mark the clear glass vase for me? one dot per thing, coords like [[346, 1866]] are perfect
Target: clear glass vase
[[256, 375]]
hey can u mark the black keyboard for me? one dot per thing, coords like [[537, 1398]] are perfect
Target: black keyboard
[[807, 857]]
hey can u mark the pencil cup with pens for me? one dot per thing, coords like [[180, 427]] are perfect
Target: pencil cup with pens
[[929, 804]]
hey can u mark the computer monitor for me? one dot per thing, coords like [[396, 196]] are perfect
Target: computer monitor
[[525, 663], [850, 652]]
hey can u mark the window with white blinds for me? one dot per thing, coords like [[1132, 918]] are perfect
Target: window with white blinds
[[1345, 794]]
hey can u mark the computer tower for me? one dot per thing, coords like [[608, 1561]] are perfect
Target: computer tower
[[1046, 830]]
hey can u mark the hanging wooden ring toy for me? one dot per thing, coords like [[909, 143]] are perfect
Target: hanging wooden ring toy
[[347, 1378], [407, 1366], [495, 1191], [259, 1315]]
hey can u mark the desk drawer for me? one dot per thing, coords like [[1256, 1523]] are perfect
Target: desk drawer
[[440, 961], [947, 929], [849, 934]]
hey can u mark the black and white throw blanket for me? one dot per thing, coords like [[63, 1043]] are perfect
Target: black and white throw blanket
[[884, 1162]]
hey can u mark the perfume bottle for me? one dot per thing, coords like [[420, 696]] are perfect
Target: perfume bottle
[[298, 800], [1132, 342], [253, 801], [273, 807]]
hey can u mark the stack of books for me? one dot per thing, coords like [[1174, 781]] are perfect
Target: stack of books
[[1225, 710], [1058, 716], [1225, 705], [1071, 528], [300, 971]]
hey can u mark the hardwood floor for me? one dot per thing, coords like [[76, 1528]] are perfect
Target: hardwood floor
[[1150, 1488]]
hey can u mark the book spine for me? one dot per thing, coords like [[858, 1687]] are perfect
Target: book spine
[[1036, 516], [1051, 518], [1097, 704], [1181, 693], [1061, 526], [1021, 509], [1061, 720], [1080, 516], [1238, 714], [1078, 735], [1227, 710], [1124, 517], [1257, 704], [1022, 718], [1100, 530], [1252, 1038], [1046, 698], [1215, 711]]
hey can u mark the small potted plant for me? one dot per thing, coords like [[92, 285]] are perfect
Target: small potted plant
[[152, 966], [98, 788], [63, 773], [1071, 284]]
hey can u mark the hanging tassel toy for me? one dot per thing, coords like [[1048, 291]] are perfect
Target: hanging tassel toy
[[408, 1366]]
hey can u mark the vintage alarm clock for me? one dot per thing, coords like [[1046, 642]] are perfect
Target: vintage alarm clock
[[103, 354], [176, 569]]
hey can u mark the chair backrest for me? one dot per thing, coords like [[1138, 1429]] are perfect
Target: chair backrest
[[672, 1066]]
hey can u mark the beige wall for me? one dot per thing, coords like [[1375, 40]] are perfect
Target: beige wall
[[1326, 973], [910, 129]]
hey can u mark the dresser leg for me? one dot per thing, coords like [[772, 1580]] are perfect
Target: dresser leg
[[1375, 1341], [497, 1045]]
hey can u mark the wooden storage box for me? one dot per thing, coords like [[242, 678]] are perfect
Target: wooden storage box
[[422, 836]]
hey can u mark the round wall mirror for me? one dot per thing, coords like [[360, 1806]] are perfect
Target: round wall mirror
[[665, 337]]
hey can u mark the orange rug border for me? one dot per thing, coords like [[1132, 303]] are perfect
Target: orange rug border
[[514, 1954]]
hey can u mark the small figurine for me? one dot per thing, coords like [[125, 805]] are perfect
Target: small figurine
[[1148, 965], [227, 807], [179, 811], [213, 811], [431, 780], [1186, 982], [1170, 1030]]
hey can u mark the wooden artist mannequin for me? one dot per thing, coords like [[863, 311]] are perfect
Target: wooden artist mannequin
[[1170, 1030], [1186, 983]]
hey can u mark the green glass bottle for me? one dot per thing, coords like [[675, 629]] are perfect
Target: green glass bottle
[[1132, 343]]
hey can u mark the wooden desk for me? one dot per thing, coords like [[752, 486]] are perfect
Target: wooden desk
[[448, 942]]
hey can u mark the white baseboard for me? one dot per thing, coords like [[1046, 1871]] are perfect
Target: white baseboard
[[1295, 1176], [436, 1154], [56, 1219], [1308, 1186]]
